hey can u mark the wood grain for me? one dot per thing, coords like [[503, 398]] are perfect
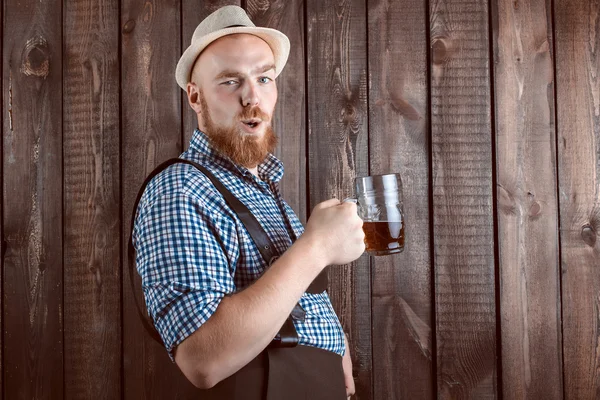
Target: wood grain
[[399, 142], [338, 152], [32, 174], [527, 203], [577, 36], [92, 196], [463, 225], [290, 114], [193, 12], [151, 134], [4, 112]]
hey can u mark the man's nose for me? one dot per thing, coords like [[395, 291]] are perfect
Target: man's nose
[[250, 96]]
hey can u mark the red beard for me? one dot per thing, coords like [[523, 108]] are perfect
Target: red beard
[[245, 150]]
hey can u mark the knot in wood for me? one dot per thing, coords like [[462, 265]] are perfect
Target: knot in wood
[[129, 25], [588, 234], [441, 50], [36, 58], [535, 209], [348, 114]]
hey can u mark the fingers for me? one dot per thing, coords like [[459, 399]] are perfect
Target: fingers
[[327, 204], [338, 228], [350, 206]]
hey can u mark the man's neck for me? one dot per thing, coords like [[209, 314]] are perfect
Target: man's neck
[[254, 171]]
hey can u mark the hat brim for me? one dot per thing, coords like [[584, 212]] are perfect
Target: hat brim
[[277, 41]]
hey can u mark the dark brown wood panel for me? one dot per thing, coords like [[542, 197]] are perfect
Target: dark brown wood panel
[[527, 203], [151, 121], [399, 142], [463, 225], [338, 152], [193, 12], [92, 199], [289, 120], [32, 192], [577, 37], [3, 113]]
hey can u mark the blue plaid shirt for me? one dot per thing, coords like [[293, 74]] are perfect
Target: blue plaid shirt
[[192, 249]]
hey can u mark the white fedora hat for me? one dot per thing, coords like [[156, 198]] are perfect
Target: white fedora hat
[[229, 20]]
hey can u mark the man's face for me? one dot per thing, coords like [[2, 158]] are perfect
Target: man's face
[[234, 92]]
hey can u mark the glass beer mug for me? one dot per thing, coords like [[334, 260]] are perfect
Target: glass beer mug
[[379, 201]]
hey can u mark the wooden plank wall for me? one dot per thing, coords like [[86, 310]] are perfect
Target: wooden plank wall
[[489, 109], [527, 203], [462, 202], [398, 119], [33, 351], [338, 150], [92, 192], [578, 129]]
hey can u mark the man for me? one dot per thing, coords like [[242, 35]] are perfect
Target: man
[[215, 301]]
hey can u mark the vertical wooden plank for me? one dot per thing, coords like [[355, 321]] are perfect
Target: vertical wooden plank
[[399, 142], [463, 226], [194, 11], [151, 105], [527, 203], [289, 119], [578, 101], [32, 197], [338, 152], [92, 196], [2, 241]]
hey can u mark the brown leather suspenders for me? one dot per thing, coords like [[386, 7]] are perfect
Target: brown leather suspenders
[[287, 336]]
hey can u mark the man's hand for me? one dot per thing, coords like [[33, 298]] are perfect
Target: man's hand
[[347, 367], [337, 230]]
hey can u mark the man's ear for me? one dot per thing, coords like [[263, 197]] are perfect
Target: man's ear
[[193, 95]]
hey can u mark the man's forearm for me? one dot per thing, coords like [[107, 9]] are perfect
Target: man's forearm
[[246, 322]]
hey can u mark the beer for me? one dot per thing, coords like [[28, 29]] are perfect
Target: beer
[[383, 237], [379, 201]]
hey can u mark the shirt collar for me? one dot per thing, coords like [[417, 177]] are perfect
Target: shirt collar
[[270, 170]]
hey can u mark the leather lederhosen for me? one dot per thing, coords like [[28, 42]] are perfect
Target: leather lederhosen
[[296, 373]]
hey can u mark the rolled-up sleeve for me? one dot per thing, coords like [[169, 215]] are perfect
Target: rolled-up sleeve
[[184, 253]]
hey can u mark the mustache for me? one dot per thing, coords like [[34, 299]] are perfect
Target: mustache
[[254, 112]]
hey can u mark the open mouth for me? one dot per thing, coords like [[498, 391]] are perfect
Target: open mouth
[[252, 123]]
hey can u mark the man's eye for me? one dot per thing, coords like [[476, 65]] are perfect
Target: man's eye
[[264, 79], [229, 83]]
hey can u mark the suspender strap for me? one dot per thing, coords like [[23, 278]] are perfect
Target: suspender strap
[[288, 337], [258, 234]]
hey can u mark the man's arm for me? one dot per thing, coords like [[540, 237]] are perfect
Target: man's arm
[[246, 322]]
